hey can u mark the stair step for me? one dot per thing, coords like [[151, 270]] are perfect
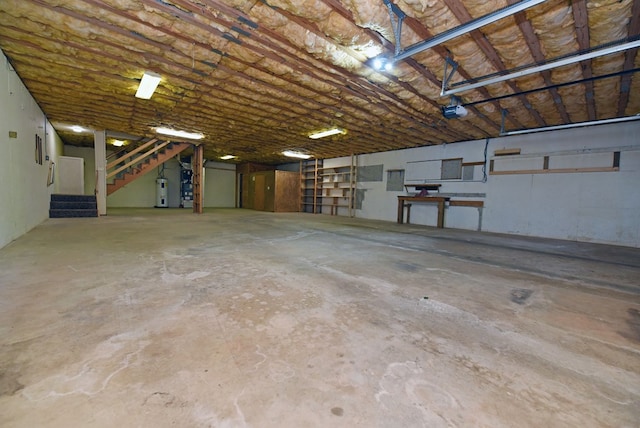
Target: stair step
[[73, 205], [63, 206], [147, 165], [66, 213], [72, 198]]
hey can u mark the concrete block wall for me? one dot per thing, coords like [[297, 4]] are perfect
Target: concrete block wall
[[601, 207]]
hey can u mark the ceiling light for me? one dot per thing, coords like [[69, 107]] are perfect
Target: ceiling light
[[383, 63], [148, 85], [332, 131], [118, 143], [77, 128], [181, 134], [292, 154], [227, 157]]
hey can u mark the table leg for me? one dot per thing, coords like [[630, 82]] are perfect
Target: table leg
[[440, 214]]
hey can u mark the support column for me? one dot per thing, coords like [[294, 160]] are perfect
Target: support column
[[100, 150], [198, 178]]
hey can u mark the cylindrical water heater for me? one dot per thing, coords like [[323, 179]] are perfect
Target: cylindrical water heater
[[161, 193]]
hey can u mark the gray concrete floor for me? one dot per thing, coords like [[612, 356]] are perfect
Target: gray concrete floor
[[234, 318]]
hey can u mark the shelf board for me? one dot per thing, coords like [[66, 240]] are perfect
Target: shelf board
[[334, 205]]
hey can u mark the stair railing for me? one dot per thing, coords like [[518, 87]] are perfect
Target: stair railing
[[137, 160]]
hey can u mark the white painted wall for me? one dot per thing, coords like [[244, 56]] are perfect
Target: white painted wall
[[141, 193], [70, 175], [85, 153], [24, 193], [599, 207], [219, 186]]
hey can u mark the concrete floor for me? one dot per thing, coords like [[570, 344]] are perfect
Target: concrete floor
[[234, 318]]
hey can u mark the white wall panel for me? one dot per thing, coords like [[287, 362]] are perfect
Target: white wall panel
[[24, 190], [587, 206], [220, 184]]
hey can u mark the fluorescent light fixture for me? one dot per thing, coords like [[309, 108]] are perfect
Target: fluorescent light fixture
[[227, 157], [77, 128], [571, 125], [180, 134], [118, 143], [148, 85], [332, 131], [292, 154]]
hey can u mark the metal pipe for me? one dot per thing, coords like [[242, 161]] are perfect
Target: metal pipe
[[466, 28], [571, 125], [546, 66], [558, 85]]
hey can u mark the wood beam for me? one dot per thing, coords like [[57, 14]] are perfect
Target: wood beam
[[463, 15], [424, 33], [198, 178], [538, 56], [581, 20], [629, 59]]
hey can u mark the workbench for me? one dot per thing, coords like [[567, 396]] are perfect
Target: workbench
[[406, 201]]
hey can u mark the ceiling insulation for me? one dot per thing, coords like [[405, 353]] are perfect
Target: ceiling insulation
[[257, 77]]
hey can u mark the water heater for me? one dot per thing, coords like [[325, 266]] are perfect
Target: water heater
[[161, 193]]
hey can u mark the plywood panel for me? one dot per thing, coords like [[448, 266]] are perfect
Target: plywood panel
[[287, 191], [259, 193]]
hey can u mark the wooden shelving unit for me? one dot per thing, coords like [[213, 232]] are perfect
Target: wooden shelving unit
[[310, 188], [338, 188]]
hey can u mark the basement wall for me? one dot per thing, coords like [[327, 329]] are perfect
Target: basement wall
[[24, 191], [219, 183], [602, 207]]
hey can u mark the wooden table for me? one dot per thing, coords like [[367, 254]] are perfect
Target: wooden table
[[406, 201]]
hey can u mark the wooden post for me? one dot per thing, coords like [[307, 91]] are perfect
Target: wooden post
[[100, 154], [198, 179]]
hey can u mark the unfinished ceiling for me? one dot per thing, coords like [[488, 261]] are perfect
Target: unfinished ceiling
[[257, 77]]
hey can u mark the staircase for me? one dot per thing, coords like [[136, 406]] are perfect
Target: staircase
[[127, 168], [63, 206]]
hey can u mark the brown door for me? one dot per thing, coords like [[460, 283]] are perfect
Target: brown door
[[258, 196]]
